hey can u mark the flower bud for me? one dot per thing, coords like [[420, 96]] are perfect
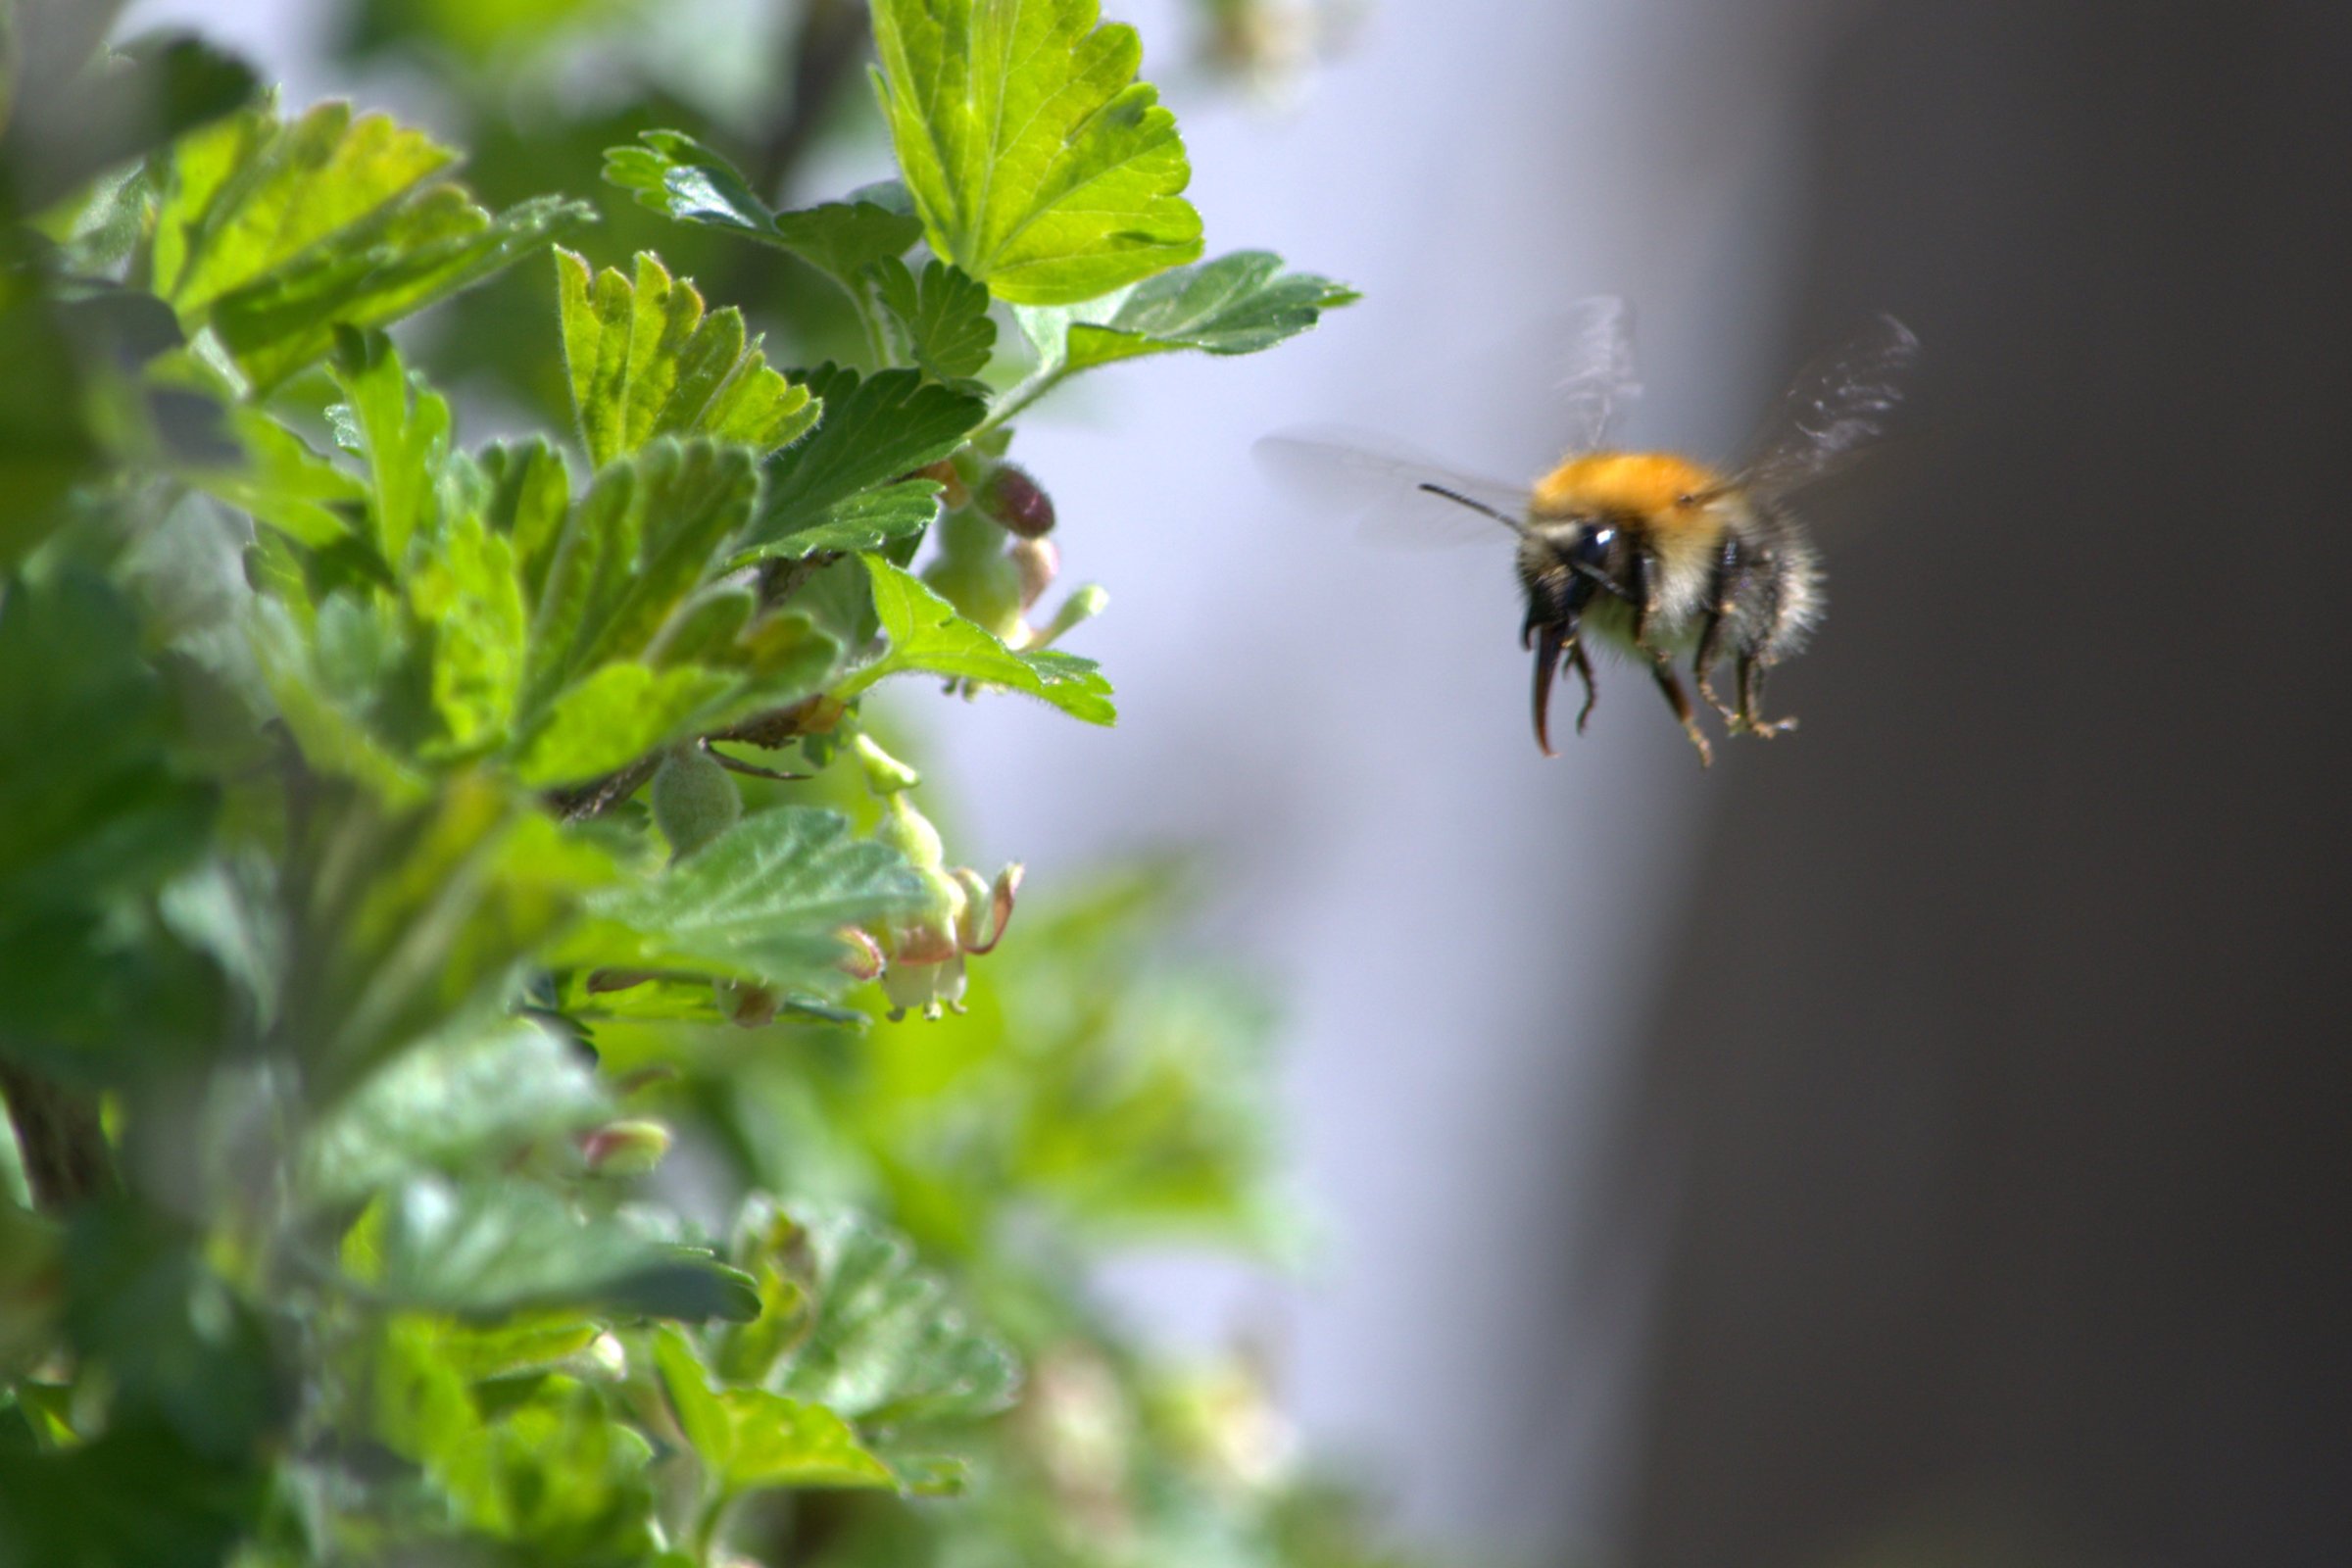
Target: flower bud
[[1037, 561], [694, 800], [885, 774], [747, 1005], [625, 1148], [952, 492], [1013, 500]]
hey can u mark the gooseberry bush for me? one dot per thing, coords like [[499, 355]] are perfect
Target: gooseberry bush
[[503, 1066]]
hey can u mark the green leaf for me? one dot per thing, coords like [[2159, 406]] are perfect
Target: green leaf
[[886, 1345], [765, 902], [46, 442], [750, 1439], [405, 919], [944, 314], [618, 714], [639, 543], [273, 234], [69, 126], [88, 799], [645, 361], [469, 598], [285, 484], [867, 520], [529, 496], [559, 1475], [1236, 304], [1037, 162], [401, 428], [482, 1252], [875, 430], [474, 1101], [678, 176], [927, 634]]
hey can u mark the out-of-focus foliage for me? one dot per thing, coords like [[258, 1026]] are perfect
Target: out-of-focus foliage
[[409, 841]]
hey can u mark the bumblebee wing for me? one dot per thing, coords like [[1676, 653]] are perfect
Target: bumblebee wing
[[1597, 350], [1397, 494], [1838, 405]]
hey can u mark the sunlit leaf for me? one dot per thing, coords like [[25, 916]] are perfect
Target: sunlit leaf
[[274, 234], [645, 361], [488, 1248], [1039, 165], [943, 314], [876, 429], [766, 901], [927, 634]]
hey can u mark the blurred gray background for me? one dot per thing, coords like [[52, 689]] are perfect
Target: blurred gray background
[[1920, 1142]]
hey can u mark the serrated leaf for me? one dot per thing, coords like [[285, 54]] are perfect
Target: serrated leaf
[[467, 596], [618, 714], [630, 553], [869, 520], [886, 1345], [529, 496], [876, 429], [766, 902], [1037, 162], [752, 1439], [468, 1102], [676, 176], [401, 428], [405, 919], [273, 234], [67, 125], [285, 484], [942, 315], [645, 361], [927, 634], [1236, 304], [482, 1252]]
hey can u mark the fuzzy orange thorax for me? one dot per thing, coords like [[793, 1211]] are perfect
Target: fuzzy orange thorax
[[1650, 485]]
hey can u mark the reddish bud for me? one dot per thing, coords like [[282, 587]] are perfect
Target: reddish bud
[[1012, 499]]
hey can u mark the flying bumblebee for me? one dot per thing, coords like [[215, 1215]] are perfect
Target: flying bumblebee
[[1661, 557]]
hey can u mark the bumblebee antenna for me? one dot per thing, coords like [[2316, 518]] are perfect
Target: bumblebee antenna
[[1456, 497]]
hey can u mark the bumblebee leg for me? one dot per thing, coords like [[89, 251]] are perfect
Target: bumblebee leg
[[1751, 696], [1549, 641], [1680, 701], [1635, 592], [1722, 590], [1583, 662]]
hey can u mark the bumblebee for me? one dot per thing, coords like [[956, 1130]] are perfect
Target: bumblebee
[[1669, 560]]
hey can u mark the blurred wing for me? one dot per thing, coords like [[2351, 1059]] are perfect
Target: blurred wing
[[1596, 339], [1387, 486], [1837, 405]]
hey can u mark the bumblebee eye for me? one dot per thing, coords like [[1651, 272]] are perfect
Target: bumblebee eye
[[1593, 546]]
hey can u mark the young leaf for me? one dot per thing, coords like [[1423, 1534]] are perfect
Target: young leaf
[[468, 1102], [643, 539], [766, 902], [886, 1345], [402, 920], [927, 634], [618, 714], [485, 1251], [400, 427], [875, 429], [867, 520], [678, 176], [645, 361], [1236, 304], [1039, 163], [749, 1438], [944, 315], [274, 234]]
